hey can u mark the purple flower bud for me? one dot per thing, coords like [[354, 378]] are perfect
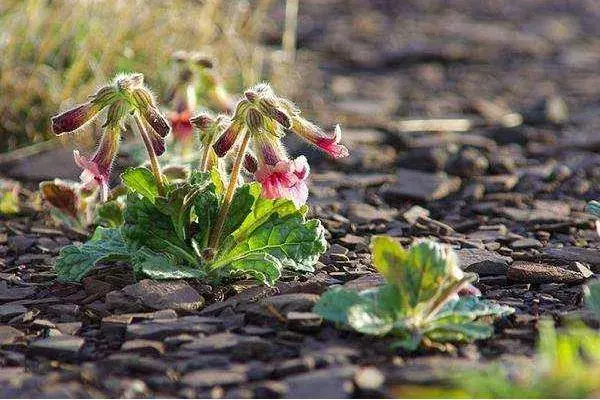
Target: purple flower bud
[[202, 121], [158, 123], [250, 163], [226, 141], [74, 118]]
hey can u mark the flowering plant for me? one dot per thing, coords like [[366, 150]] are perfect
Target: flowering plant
[[211, 225]]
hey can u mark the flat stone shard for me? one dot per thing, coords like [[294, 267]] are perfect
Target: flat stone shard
[[160, 329], [212, 378], [8, 293], [573, 254], [537, 273], [176, 295], [8, 334], [363, 213], [482, 262], [417, 185], [57, 347]]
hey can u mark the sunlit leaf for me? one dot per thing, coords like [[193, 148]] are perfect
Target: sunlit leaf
[[140, 180]]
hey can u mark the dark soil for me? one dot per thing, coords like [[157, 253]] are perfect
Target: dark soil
[[507, 195]]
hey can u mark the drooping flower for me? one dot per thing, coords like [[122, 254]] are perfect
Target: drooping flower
[[96, 170], [286, 179], [231, 134], [288, 116], [315, 135], [279, 176], [78, 116]]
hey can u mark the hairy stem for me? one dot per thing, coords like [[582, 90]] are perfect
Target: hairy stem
[[205, 157], [151, 154], [233, 179]]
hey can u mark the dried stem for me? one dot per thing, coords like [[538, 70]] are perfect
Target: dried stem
[[151, 153], [233, 179], [289, 34]]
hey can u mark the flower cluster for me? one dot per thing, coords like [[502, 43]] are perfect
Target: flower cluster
[[262, 118], [125, 96], [197, 81]]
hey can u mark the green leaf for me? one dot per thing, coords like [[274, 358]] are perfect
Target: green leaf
[[263, 210], [592, 296], [462, 332], [206, 208], [241, 205], [178, 205], [146, 226], [74, 262], [473, 307], [263, 267], [367, 317], [387, 255], [333, 305], [161, 266], [140, 180], [296, 243], [110, 214]]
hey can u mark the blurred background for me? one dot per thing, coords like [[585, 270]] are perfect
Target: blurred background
[[366, 64]]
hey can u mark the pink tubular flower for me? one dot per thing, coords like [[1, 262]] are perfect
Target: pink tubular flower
[[286, 179], [96, 171], [313, 134], [181, 125]]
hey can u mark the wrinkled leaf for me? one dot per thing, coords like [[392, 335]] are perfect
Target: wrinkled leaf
[[367, 317], [262, 211], [335, 302], [473, 307], [178, 205], [161, 266], [295, 243], [146, 226], [206, 208], [261, 266], [75, 261], [140, 180], [110, 214], [241, 205]]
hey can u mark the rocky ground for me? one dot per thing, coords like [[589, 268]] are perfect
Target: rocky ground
[[474, 125]]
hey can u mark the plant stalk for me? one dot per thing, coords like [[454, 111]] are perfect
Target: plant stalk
[[205, 157], [233, 179], [151, 154]]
